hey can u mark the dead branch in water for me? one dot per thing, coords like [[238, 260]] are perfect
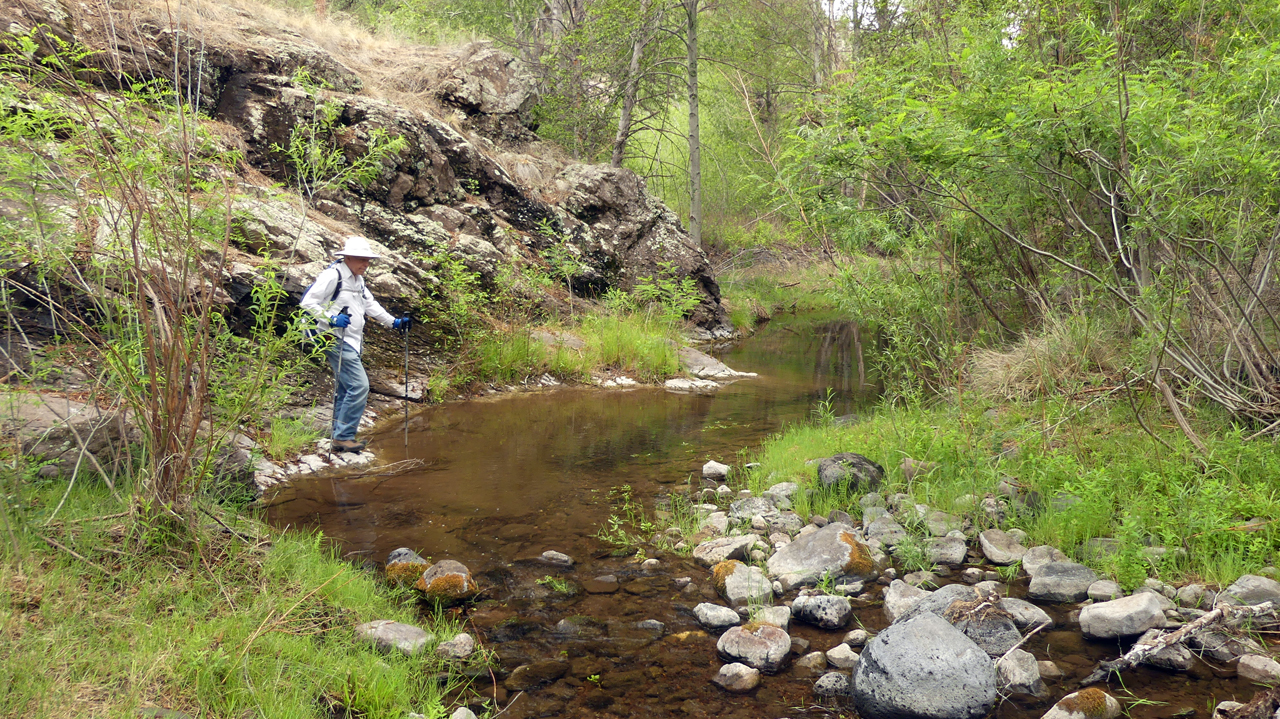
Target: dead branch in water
[[1140, 652]]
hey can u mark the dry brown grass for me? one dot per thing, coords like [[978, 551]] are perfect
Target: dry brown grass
[[1069, 352]]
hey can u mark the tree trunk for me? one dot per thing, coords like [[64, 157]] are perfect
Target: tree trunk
[[632, 89], [695, 143]]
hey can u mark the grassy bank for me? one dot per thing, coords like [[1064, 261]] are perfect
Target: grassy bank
[[753, 291], [240, 621], [1213, 512]]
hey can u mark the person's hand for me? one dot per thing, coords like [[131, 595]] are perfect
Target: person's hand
[[341, 319], [404, 324]]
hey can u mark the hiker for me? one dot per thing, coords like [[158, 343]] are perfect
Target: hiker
[[339, 301]]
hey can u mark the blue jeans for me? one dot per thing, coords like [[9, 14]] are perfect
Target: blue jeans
[[351, 390]]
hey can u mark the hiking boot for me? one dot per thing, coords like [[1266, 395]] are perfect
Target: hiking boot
[[348, 445]]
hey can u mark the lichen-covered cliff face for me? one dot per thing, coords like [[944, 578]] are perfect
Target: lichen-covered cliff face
[[472, 179]]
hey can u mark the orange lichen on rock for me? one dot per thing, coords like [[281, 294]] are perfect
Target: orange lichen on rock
[[449, 586], [860, 562], [1091, 702], [721, 572], [402, 573]]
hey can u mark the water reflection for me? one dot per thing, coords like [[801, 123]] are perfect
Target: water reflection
[[548, 459]]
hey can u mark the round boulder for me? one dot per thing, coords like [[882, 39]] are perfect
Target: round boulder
[[851, 472], [924, 667], [1091, 703], [447, 582], [762, 646]]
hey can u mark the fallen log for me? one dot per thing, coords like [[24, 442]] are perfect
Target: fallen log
[[1140, 652]]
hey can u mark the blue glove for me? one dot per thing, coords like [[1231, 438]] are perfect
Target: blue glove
[[402, 323], [340, 320]]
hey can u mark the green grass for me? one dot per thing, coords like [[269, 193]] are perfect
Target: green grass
[[1130, 487], [772, 289], [287, 437], [634, 344], [223, 627]]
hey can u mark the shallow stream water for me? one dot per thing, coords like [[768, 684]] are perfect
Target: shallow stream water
[[508, 477]]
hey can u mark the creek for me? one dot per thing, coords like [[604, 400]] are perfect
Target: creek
[[510, 476]]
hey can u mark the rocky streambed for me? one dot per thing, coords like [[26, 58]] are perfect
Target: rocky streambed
[[762, 612], [777, 615]]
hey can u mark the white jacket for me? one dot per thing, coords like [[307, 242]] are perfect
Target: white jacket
[[354, 296]]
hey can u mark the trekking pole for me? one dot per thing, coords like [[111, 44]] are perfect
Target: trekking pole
[[406, 390], [337, 378]]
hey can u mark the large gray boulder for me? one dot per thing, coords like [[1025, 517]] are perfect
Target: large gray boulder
[[1252, 589], [1061, 582], [924, 668], [850, 472], [1124, 617], [823, 611], [831, 549], [886, 530], [938, 601], [762, 646]]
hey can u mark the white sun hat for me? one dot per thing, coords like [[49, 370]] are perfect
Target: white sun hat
[[357, 247]]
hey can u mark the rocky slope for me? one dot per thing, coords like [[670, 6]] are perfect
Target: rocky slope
[[472, 179]]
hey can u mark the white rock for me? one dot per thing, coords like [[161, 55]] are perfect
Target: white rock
[[842, 656]]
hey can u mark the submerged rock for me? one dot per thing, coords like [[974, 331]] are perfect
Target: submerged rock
[[924, 667], [737, 678], [833, 684]]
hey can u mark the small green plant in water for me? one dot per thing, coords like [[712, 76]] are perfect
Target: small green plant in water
[[556, 584]]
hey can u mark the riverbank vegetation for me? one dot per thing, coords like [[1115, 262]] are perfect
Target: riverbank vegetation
[[104, 614]]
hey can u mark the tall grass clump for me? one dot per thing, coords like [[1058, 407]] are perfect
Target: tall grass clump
[[1066, 353]]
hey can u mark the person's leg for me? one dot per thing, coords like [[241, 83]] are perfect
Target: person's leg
[[352, 396]]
